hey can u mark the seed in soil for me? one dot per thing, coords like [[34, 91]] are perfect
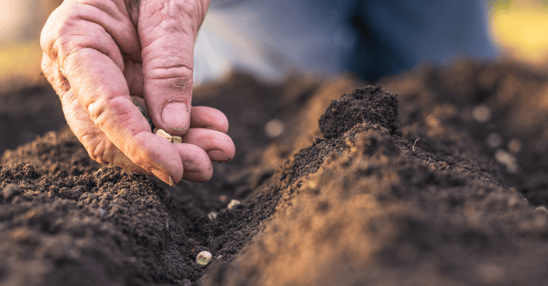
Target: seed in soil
[[203, 258], [481, 113], [233, 204], [415, 144], [212, 215], [507, 159], [274, 128]]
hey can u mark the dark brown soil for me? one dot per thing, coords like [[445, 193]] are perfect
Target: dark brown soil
[[385, 190]]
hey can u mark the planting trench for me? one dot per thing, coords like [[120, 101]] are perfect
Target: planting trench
[[436, 177]]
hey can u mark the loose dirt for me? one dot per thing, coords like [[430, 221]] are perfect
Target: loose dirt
[[395, 184]]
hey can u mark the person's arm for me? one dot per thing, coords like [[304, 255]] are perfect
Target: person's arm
[[99, 52]]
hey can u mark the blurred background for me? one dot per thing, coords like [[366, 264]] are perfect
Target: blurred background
[[518, 27]]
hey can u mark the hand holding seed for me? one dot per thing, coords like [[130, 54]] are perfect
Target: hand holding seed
[[99, 53]]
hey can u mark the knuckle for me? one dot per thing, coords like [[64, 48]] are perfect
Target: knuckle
[[170, 62], [109, 152], [106, 112], [135, 151], [46, 67], [52, 74], [170, 68], [164, 10], [75, 49], [59, 23], [169, 16], [98, 113], [96, 148], [72, 27]]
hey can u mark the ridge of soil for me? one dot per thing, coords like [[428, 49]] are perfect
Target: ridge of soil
[[386, 189]]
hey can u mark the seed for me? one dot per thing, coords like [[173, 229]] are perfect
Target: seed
[[212, 215], [233, 204], [176, 139], [481, 113], [163, 133], [203, 258], [274, 128], [507, 159]]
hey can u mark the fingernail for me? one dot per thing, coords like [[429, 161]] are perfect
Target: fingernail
[[175, 116], [163, 176], [218, 155]]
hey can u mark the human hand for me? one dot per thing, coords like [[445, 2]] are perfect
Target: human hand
[[99, 52]]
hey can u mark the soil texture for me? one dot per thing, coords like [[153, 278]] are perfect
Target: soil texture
[[438, 176]]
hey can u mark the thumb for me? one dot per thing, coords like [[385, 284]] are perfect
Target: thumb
[[167, 30]]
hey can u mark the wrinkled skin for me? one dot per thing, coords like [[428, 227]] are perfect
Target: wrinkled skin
[[98, 54]]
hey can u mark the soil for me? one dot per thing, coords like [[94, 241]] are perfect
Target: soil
[[439, 176]]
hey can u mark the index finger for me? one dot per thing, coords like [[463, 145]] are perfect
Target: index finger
[[101, 89]]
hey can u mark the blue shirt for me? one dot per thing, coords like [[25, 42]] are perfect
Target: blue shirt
[[274, 38]]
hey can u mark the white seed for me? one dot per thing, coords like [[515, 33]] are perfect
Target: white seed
[[481, 113], [176, 139], [233, 204], [212, 215], [163, 133], [203, 258], [507, 159], [274, 128]]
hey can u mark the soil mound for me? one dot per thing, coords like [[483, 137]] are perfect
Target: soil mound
[[452, 195], [370, 104]]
